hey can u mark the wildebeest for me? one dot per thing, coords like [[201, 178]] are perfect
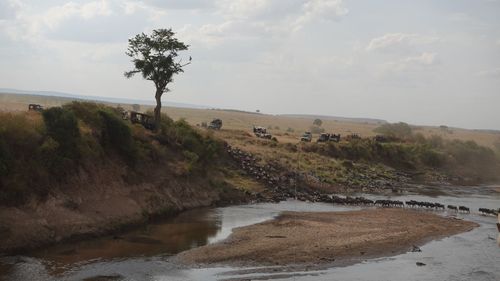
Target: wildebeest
[[429, 205], [389, 203], [464, 209], [453, 207], [486, 211]]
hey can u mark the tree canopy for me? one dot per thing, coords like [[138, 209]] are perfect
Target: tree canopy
[[317, 122], [398, 130], [155, 58]]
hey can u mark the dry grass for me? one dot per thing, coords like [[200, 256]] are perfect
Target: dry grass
[[236, 120]]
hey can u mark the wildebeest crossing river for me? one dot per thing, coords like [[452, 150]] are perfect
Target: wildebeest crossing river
[[149, 253]]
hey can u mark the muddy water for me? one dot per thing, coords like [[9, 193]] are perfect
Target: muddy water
[[149, 253]]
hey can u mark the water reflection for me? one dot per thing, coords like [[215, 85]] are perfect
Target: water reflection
[[190, 229], [143, 254]]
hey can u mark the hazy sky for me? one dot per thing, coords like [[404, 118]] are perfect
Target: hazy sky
[[419, 61]]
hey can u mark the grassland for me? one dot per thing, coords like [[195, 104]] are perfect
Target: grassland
[[430, 155], [285, 128], [74, 158]]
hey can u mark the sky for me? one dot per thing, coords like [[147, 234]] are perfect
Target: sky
[[424, 62]]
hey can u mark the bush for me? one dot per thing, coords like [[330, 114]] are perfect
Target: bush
[[43, 152], [181, 133], [432, 158], [316, 130], [88, 112], [436, 141], [62, 126], [116, 135], [397, 130], [22, 171]]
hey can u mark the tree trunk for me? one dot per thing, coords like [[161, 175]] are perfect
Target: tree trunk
[[157, 116]]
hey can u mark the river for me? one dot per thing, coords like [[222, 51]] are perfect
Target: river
[[148, 253]]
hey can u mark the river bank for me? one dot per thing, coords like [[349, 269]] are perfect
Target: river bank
[[103, 203], [326, 238], [58, 186], [152, 250]]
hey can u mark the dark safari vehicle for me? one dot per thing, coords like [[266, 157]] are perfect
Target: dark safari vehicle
[[216, 124], [35, 107]]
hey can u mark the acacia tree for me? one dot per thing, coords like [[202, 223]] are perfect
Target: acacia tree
[[155, 57], [317, 122]]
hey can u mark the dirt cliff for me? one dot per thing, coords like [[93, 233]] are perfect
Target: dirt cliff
[[102, 200]]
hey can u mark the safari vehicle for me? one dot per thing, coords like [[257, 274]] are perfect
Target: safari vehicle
[[335, 137], [144, 119], [306, 137], [261, 132], [35, 107], [382, 138], [216, 124], [353, 137], [324, 137]]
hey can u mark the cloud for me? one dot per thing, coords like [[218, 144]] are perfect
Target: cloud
[[7, 9], [181, 4], [460, 17], [490, 73], [410, 66], [399, 42], [54, 16], [113, 20], [424, 59], [95, 21], [263, 19], [321, 10]]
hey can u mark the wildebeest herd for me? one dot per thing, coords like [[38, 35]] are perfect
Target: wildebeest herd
[[279, 182]]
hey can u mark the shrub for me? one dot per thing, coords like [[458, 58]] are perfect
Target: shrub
[[62, 126], [181, 133], [436, 141], [431, 157], [88, 112], [396, 130], [316, 130], [115, 134], [21, 170]]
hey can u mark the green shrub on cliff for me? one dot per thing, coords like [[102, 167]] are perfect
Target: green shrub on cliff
[[116, 135], [23, 171], [181, 133], [463, 158], [397, 130], [62, 126], [42, 152]]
